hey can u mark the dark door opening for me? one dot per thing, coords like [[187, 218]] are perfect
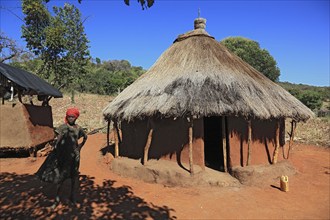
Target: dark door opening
[[213, 146]]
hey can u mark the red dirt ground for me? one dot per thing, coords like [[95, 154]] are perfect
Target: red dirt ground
[[106, 195]]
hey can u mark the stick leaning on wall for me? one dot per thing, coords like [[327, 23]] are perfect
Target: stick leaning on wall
[[147, 146]]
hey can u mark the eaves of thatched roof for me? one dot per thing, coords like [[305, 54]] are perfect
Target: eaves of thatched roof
[[198, 76]]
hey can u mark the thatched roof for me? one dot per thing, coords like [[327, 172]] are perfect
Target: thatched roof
[[198, 76]]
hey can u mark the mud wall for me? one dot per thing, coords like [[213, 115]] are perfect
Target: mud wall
[[24, 126], [262, 144], [169, 141]]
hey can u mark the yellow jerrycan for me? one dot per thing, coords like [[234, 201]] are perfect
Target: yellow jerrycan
[[284, 182]]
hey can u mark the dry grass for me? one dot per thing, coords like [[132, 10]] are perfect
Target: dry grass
[[314, 131], [90, 107]]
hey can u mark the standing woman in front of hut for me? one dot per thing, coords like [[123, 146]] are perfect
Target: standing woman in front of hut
[[63, 162]]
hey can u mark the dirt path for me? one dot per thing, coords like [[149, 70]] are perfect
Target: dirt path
[[106, 195]]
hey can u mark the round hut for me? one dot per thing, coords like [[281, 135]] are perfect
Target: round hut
[[200, 104]]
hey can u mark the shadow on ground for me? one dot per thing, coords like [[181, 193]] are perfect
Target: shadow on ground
[[25, 197]]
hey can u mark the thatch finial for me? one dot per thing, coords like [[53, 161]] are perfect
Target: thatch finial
[[200, 23]]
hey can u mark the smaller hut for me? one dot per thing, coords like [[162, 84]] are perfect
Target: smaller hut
[[201, 105], [24, 127]]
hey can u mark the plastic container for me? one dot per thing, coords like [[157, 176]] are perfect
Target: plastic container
[[284, 182]]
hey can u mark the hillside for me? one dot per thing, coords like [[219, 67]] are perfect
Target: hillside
[[316, 98]]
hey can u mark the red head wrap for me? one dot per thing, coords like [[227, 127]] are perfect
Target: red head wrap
[[72, 112]]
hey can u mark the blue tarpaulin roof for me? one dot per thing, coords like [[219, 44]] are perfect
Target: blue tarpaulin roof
[[33, 84]]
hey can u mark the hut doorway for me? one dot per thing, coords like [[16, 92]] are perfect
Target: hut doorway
[[213, 149]]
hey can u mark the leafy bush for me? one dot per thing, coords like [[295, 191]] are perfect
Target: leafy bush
[[109, 77], [311, 96], [311, 99]]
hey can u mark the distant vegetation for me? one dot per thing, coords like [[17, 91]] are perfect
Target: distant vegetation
[[103, 78], [314, 97], [110, 77]]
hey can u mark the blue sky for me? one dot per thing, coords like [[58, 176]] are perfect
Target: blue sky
[[296, 33]]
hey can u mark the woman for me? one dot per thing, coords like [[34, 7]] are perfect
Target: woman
[[63, 162]]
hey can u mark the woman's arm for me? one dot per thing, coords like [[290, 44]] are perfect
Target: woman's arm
[[84, 136], [59, 134], [58, 139]]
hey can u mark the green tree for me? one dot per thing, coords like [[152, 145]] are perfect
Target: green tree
[[311, 99], [314, 97], [250, 51], [110, 77], [117, 65], [59, 41], [37, 19], [144, 3], [98, 61], [28, 63], [75, 54], [9, 48]]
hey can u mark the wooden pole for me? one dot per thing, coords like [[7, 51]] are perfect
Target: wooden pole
[[228, 146], [241, 150], [191, 163], [277, 142], [116, 140], [224, 144], [118, 132], [108, 133], [248, 162], [293, 129], [146, 148], [150, 125]]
